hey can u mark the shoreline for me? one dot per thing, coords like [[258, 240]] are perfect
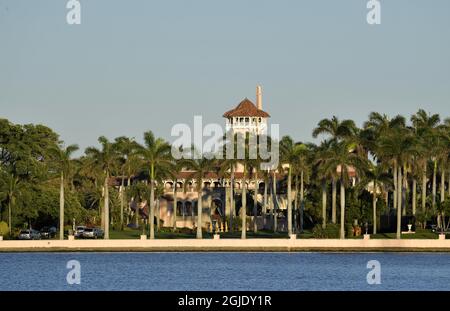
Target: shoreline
[[228, 245]]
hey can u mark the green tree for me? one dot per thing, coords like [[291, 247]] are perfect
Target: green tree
[[106, 159], [62, 157], [156, 155]]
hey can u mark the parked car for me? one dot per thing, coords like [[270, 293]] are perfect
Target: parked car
[[48, 232], [93, 233], [79, 231], [29, 234]]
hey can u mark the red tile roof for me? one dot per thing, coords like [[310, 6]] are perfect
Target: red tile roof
[[246, 109]]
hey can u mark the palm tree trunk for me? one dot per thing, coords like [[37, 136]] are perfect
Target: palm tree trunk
[[333, 200], [399, 203], [265, 202], [274, 202], [244, 207], [395, 186], [106, 209], [424, 187], [158, 215], [232, 211], [324, 204], [433, 203], [61, 208], [175, 206], [199, 211], [442, 185], [295, 213], [342, 233], [374, 206], [10, 214], [255, 205], [414, 197], [151, 214], [289, 203], [302, 202], [122, 202], [404, 189]]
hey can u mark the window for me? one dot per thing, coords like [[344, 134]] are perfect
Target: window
[[259, 120], [247, 120]]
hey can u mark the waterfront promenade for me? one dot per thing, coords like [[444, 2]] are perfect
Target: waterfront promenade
[[228, 245]]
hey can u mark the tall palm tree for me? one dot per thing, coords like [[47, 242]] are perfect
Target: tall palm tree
[[228, 167], [11, 187], [200, 167], [105, 158], [377, 177], [342, 157], [336, 131], [62, 156], [400, 147], [325, 172], [126, 147], [156, 156], [378, 126], [426, 126], [291, 154]]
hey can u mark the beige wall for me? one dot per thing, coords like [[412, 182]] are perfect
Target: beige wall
[[227, 245]]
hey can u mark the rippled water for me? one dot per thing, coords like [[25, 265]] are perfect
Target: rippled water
[[224, 271]]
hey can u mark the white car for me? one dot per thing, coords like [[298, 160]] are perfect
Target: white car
[[79, 231], [29, 234], [93, 233]]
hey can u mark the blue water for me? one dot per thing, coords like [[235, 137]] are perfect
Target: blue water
[[224, 271]]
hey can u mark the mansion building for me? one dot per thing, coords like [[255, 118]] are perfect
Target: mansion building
[[216, 199]]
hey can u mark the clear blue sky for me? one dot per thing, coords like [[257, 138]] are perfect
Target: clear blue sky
[[137, 65]]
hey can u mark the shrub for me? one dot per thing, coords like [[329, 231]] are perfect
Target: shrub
[[349, 230], [4, 229], [330, 232]]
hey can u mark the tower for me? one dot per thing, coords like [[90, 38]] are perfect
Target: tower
[[248, 117]]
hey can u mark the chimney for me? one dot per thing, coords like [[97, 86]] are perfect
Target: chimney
[[259, 97]]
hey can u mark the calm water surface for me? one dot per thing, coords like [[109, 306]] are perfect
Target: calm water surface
[[224, 271]]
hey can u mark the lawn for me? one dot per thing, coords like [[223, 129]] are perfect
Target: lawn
[[166, 233]]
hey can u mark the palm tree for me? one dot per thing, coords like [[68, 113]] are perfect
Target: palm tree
[[126, 148], [303, 168], [325, 172], [377, 127], [336, 131], [228, 168], [156, 155], [425, 126], [400, 147], [11, 188], [63, 159], [291, 155], [106, 159], [377, 177], [200, 167], [341, 157]]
